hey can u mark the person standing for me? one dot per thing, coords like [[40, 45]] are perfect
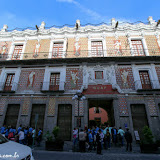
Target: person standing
[[108, 139], [121, 135], [19, 128], [26, 132], [33, 135], [10, 135], [90, 137], [98, 140], [128, 137], [6, 132], [21, 136], [102, 137], [110, 131], [114, 135], [39, 138], [75, 136], [3, 129], [82, 140]]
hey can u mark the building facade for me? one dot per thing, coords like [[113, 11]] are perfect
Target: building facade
[[116, 67]]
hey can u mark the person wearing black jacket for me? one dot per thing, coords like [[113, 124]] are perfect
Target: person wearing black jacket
[[128, 137]]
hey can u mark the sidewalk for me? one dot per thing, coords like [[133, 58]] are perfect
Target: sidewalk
[[69, 148]]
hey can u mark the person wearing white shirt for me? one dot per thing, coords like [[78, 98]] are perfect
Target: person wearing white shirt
[[21, 136]]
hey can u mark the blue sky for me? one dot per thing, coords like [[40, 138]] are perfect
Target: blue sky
[[22, 14]]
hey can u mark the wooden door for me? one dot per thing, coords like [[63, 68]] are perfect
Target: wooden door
[[40, 110], [12, 113], [139, 117], [145, 80], [65, 121]]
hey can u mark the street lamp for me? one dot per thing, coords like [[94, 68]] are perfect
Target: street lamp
[[80, 97]]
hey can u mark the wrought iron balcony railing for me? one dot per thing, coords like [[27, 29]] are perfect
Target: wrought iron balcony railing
[[80, 54], [153, 85], [48, 87], [8, 88]]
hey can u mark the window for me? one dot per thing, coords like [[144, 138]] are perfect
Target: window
[[17, 52], [54, 81], [97, 110], [145, 80], [138, 49], [97, 48], [57, 50], [98, 74], [9, 82]]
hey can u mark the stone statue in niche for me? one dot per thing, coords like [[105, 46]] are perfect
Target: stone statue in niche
[[77, 47], [74, 79], [124, 77], [36, 51], [90, 77], [117, 46], [31, 79], [4, 50]]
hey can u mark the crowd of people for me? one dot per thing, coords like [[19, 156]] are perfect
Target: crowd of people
[[23, 135], [98, 138]]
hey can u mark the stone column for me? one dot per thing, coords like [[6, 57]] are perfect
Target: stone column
[[116, 112]]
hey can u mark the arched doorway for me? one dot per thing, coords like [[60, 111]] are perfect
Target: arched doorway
[[100, 112]]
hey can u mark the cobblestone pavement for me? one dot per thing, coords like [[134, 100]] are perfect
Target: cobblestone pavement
[[51, 155]]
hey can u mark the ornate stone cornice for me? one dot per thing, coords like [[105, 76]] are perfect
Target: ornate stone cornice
[[124, 28]]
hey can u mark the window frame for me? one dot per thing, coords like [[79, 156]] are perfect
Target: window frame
[[54, 86], [11, 82], [98, 78], [148, 86], [90, 40], [12, 50], [64, 41], [3, 76], [143, 44], [152, 74], [48, 71]]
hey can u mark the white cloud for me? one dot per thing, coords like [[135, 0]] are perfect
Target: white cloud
[[94, 15]]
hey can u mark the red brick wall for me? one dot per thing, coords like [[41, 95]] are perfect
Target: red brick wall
[[23, 80], [123, 109], [103, 115]]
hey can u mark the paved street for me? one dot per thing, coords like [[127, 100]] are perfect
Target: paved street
[[51, 155]]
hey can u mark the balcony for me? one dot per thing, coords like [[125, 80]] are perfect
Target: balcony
[[80, 54], [152, 86], [8, 89], [47, 87]]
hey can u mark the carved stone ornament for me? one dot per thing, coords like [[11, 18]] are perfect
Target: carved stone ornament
[[83, 29], [98, 67], [124, 76], [31, 79], [77, 47]]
